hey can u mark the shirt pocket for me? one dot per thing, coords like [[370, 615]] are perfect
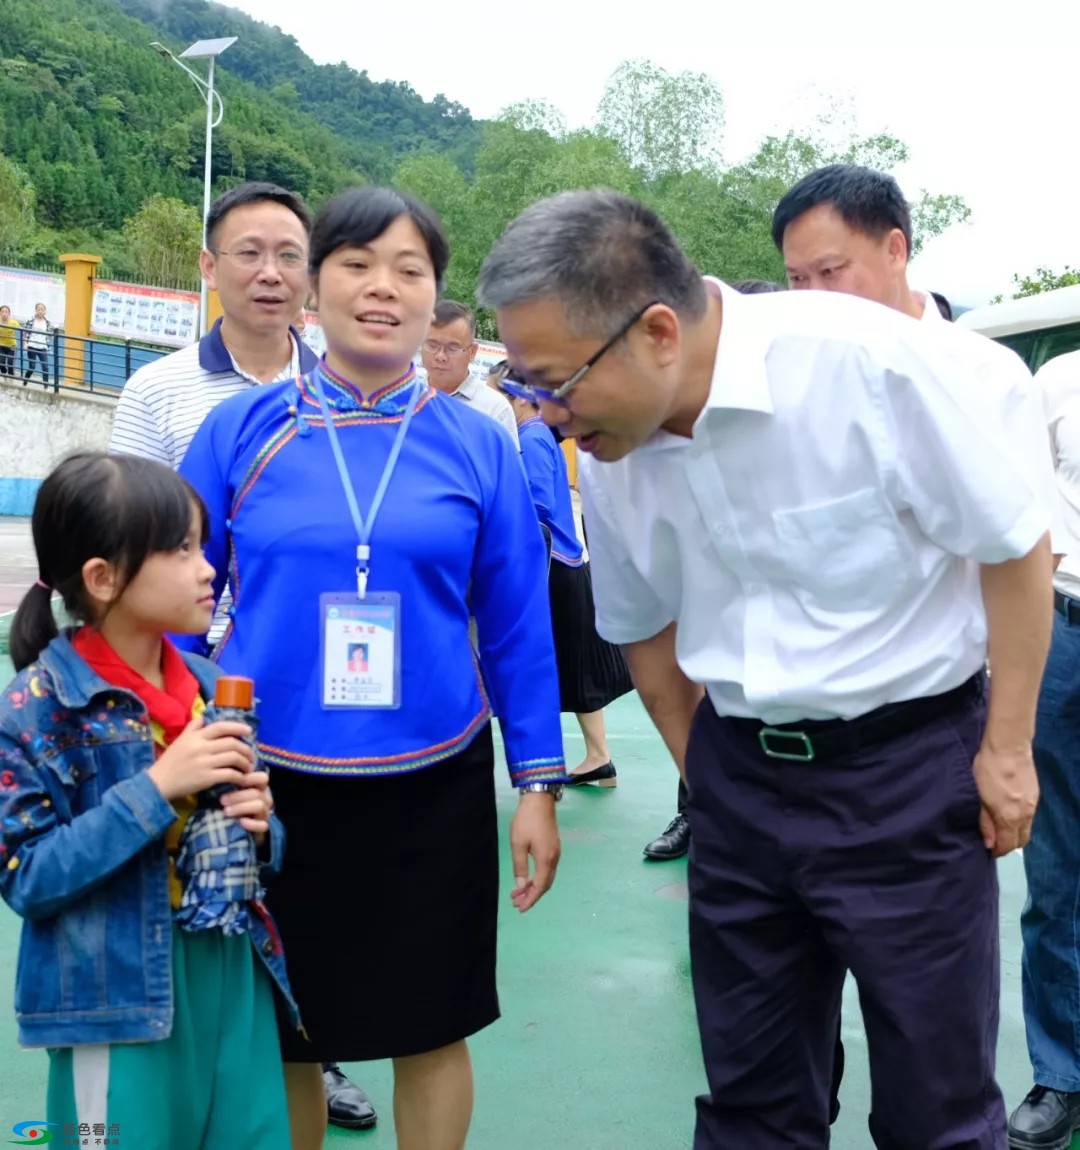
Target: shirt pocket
[[83, 771], [846, 554], [75, 772]]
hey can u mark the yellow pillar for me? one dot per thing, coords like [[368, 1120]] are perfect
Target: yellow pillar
[[213, 309], [79, 269], [569, 447]]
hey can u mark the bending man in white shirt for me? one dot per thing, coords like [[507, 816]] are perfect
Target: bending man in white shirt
[[801, 507]]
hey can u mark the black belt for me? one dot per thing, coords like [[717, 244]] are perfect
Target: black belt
[[1070, 608], [820, 739]]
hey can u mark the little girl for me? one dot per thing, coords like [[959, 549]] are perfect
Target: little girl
[[162, 1037]]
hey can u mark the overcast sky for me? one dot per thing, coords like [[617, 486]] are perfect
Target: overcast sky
[[987, 104]]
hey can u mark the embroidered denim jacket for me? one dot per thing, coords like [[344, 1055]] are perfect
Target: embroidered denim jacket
[[83, 862]]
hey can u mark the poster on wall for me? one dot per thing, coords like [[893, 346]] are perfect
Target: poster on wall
[[488, 355], [22, 291], [313, 334], [149, 315]]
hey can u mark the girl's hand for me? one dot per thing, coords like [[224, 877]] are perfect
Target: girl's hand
[[204, 757], [251, 805]]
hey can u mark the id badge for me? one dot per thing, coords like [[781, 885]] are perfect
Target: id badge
[[360, 657]]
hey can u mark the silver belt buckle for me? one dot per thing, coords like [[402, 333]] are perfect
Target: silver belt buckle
[[804, 752]]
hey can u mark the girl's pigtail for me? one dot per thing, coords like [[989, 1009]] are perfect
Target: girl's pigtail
[[34, 626]]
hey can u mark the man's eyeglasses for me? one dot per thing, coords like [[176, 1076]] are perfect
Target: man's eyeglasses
[[433, 347], [511, 382], [290, 259]]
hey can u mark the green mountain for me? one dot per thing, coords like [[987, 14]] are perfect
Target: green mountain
[[389, 116], [100, 122]]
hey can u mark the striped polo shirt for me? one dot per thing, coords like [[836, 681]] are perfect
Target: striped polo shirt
[[164, 403]]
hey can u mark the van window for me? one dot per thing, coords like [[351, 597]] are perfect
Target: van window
[[1036, 347]]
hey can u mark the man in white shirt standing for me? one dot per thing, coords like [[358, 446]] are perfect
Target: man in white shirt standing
[[1050, 924], [809, 532], [448, 353], [257, 261], [846, 228]]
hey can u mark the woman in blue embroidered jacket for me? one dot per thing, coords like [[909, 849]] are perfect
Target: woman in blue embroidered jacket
[[352, 616]]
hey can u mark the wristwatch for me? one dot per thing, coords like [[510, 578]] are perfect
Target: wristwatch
[[555, 789]]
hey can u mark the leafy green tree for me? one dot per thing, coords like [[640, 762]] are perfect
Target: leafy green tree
[[100, 123], [931, 215], [164, 238], [1042, 280], [663, 123], [17, 222], [110, 139], [438, 181]]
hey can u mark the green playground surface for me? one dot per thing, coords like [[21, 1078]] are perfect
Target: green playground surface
[[597, 1046]]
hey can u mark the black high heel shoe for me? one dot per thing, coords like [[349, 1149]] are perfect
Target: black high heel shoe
[[599, 776]]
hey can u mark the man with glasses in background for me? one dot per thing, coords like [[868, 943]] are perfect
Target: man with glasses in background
[[448, 353], [256, 259]]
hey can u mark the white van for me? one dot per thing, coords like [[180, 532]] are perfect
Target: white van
[[1037, 327]]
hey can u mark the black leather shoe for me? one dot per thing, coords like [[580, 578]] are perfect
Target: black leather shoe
[[348, 1105], [599, 776], [1045, 1120], [672, 844]]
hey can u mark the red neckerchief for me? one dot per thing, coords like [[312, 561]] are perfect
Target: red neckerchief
[[169, 708]]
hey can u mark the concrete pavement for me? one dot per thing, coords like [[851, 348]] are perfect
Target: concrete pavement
[[18, 565]]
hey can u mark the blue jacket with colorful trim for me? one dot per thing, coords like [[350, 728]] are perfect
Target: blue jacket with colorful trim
[[549, 486], [83, 862], [457, 533]]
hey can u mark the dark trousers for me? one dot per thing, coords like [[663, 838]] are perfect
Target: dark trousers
[[869, 861], [838, 1051], [42, 359], [7, 360]]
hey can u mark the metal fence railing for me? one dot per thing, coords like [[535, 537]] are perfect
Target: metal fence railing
[[71, 363]]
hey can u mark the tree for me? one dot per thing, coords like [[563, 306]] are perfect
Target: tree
[[931, 215], [1042, 280], [17, 223], [164, 238], [533, 116], [525, 154], [780, 161], [663, 123], [438, 181]]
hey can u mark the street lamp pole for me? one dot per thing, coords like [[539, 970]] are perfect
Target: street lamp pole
[[210, 50], [208, 170]]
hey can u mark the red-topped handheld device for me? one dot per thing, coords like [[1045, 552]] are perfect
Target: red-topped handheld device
[[234, 702]]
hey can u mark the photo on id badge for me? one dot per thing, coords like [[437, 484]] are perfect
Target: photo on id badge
[[360, 651]]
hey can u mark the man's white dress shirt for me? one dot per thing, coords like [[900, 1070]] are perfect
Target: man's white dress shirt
[[818, 539], [482, 398]]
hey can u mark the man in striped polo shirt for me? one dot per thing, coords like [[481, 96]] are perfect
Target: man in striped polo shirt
[[257, 260]]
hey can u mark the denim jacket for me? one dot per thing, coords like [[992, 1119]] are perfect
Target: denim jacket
[[83, 862]]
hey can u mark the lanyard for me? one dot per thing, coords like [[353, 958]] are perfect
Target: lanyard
[[363, 529]]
